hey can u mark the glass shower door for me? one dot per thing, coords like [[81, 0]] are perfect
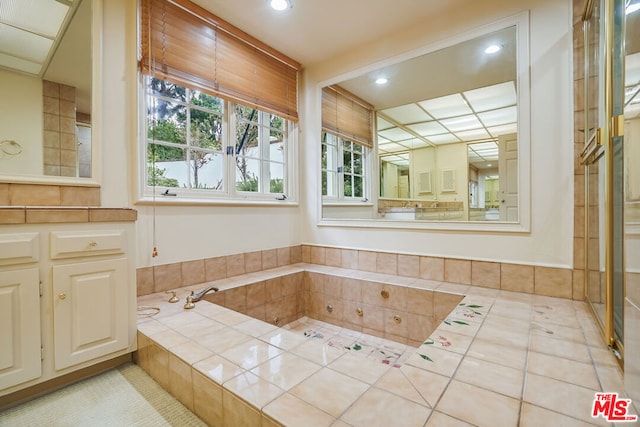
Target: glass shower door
[[615, 184], [603, 157], [593, 159]]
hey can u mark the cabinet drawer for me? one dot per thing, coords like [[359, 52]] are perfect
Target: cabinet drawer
[[19, 248], [67, 244]]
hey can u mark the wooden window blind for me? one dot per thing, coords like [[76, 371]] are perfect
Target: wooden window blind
[[187, 45], [347, 116]]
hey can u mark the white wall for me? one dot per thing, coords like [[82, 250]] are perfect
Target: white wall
[[182, 232], [423, 160], [550, 241], [453, 156], [25, 96]]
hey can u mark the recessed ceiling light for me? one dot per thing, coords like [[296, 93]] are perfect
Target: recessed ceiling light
[[382, 81], [489, 165], [493, 49], [280, 4]]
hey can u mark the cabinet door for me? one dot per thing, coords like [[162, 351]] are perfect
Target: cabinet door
[[20, 358], [90, 310]]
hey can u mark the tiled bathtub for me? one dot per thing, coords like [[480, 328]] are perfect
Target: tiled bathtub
[[232, 369], [397, 312]]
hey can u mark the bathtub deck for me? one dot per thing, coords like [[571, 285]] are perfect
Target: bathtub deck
[[500, 358]]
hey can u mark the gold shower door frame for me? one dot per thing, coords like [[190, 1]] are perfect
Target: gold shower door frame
[[601, 126]]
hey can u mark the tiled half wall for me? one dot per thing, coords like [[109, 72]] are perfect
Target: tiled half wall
[[549, 281]]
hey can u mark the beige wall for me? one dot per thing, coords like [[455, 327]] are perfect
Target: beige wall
[[185, 232], [550, 241], [25, 95]]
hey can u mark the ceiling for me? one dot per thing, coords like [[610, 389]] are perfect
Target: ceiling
[[313, 31], [478, 115], [50, 39], [456, 94], [30, 31]]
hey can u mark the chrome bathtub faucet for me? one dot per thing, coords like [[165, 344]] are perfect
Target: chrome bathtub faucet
[[193, 298]]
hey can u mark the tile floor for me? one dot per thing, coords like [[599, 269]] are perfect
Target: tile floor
[[499, 359]]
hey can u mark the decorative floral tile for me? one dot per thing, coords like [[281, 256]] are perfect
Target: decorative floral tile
[[449, 341], [560, 315], [543, 329], [376, 349], [435, 360], [470, 312], [465, 319], [339, 341]]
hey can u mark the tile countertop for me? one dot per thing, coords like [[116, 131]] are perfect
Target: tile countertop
[[500, 358], [52, 215]]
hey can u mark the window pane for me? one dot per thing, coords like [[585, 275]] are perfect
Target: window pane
[[276, 149], [207, 101], [206, 170], [276, 174], [166, 166], [331, 184], [246, 113], [247, 174], [167, 89], [357, 148], [167, 121], [206, 130], [357, 164], [347, 186], [247, 139], [357, 186], [324, 156], [276, 123], [324, 183], [346, 161]]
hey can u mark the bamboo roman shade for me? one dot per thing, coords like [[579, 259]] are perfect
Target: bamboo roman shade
[[347, 116], [187, 45]]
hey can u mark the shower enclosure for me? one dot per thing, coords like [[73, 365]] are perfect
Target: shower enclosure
[[611, 102]]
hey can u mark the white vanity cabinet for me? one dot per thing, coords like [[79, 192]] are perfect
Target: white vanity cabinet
[[19, 309], [69, 305], [90, 297]]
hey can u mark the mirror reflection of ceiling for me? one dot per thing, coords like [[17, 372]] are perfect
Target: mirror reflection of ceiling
[[48, 39], [456, 94], [476, 115]]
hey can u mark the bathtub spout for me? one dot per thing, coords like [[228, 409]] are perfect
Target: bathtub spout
[[195, 297]]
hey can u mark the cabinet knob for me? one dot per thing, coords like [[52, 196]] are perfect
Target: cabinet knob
[[62, 295], [92, 243]]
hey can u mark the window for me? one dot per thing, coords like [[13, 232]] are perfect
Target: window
[[190, 153], [218, 108], [347, 139], [260, 151], [343, 169]]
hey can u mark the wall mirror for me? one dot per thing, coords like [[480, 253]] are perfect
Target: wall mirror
[[450, 128], [47, 118]]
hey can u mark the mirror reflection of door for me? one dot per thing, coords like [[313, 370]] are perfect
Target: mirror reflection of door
[[508, 172], [493, 177]]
